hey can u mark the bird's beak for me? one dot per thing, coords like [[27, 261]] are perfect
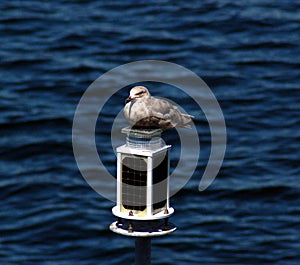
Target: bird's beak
[[128, 99]]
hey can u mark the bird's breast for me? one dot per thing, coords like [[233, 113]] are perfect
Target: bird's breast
[[135, 111]]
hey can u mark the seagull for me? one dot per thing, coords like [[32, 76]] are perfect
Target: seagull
[[143, 111]]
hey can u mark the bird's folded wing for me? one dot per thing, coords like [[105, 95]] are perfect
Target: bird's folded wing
[[160, 107]]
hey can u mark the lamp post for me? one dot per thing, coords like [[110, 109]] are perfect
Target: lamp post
[[143, 207]]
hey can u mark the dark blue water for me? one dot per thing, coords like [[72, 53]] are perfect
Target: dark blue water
[[246, 51]]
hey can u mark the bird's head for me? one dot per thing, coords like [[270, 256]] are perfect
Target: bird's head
[[138, 92]]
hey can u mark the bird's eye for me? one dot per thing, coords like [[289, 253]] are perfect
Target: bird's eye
[[140, 93]]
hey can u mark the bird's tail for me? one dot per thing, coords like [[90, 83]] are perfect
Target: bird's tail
[[186, 121]]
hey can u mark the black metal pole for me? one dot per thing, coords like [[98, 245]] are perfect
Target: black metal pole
[[143, 251]]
